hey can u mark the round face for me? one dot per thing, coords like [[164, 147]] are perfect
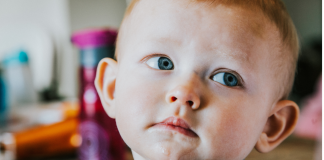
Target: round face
[[194, 81]]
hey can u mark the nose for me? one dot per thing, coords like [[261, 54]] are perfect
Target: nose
[[184, 95]]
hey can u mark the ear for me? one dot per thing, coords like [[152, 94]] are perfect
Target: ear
[[280, 125], [105, 84]]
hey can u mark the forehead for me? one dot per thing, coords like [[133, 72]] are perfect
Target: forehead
[[207, 5], [178, 21]]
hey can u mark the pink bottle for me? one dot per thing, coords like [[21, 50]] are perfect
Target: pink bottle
[[100, 137]]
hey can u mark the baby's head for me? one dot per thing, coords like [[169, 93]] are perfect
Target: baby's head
[[201, 79]]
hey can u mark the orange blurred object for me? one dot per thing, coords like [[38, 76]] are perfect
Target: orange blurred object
[[46, 141], [70, 109]]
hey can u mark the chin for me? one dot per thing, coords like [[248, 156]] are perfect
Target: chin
[[161, 152], [150, 155]]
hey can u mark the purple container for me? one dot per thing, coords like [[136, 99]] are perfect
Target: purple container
[[100, 137], [93, 38]]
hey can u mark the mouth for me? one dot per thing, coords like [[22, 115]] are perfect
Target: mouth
[[176, 124]]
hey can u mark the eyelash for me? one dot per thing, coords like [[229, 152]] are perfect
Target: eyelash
[[240, 81], [239, 78], [153, 55]]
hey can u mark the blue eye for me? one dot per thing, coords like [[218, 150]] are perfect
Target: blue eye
[[161, 63], [227, 79]]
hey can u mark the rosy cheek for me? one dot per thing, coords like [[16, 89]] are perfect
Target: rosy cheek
[[136, 97], [229, 128]]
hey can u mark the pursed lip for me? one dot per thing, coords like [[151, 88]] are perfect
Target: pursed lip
[[176, 124]]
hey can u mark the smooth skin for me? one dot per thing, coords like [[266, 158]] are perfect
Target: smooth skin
[[201, 42]]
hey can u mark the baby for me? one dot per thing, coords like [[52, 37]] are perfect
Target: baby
[[202, 79]]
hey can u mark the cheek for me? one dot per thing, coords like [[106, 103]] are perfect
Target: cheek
[[136, 100], [234, 126]]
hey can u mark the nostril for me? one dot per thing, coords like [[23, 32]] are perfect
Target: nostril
[[190, 103], [173, 99]]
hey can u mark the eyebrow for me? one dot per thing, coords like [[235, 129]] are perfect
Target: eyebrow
[[239, 56], [169, 40], [234, 55]]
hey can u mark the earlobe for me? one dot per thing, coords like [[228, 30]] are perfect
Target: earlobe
[[105, 84], [279, 126]]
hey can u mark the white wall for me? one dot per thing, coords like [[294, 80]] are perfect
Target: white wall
[[44, 27], [307, 17], [40, 27], [96, 13]]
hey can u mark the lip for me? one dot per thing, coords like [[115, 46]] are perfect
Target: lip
[[176, 124]]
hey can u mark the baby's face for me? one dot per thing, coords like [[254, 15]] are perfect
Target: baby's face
[[194, 82]]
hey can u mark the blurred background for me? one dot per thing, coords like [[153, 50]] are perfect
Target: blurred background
[[46, 85]]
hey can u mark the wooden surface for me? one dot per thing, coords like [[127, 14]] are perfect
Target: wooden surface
[[292, 148]]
